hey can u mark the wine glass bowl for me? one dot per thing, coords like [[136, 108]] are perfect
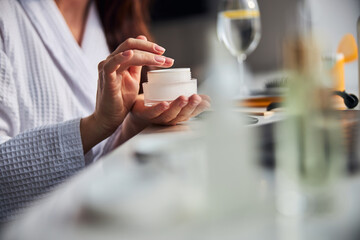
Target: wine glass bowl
[[239, 27]]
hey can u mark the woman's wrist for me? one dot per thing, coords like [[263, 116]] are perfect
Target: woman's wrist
[[131, 126], [138, 122], [92, 132]]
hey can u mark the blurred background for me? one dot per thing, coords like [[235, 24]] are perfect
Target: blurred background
[[187, 29], [165, 187]]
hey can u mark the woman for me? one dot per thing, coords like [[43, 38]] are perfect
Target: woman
[[51, 123]]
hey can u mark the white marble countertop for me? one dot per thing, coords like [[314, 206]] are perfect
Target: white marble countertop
[[149, 188]]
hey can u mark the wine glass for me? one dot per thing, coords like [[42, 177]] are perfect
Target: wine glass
[[239, 29]]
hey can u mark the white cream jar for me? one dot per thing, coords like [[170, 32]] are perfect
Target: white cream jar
[[168, 84]]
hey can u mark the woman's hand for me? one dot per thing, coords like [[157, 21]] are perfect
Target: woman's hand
[[180, 110], [118, 86], [163, 113]]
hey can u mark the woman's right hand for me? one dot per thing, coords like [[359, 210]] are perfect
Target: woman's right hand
[[118, 87]]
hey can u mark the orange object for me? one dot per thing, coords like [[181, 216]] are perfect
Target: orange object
[[348, 47], [347, 52], [259, 101], [338, 73]]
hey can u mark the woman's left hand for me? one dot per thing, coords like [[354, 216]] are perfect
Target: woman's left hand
[[163, 113], [180, 110]]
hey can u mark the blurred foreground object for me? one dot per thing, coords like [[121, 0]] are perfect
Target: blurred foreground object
[[309, 150]]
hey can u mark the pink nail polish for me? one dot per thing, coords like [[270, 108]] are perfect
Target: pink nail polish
[[160, 59], [159, 49], [166, 106], [169, 61]]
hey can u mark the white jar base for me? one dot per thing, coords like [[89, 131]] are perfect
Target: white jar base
[[156, 93]]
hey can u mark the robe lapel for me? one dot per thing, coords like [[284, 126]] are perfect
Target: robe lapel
[[63, 48]]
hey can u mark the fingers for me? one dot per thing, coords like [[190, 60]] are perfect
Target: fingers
[[182, 110], [139, 43], [113, 63], [175, 108], [155, 111], [187, 111], [205, 98], [204, 105], [124, 60], [137, 69], [141, 58], [132, 54]]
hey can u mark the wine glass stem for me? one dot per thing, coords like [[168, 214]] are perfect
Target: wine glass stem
[[243, 89]]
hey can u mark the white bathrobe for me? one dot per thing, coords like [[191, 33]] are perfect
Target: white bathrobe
[[47, 83]]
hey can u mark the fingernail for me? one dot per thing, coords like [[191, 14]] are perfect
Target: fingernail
[[159, 49], [169, 61], [126, 53], [196, 100], [166, 105], [160, 59]]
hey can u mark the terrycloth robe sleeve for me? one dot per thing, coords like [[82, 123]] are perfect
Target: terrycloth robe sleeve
[[32, 162]]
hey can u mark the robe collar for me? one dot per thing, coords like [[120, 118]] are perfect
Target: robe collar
[[63, 48]]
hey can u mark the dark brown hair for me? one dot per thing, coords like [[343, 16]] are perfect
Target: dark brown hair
[[122, 19]]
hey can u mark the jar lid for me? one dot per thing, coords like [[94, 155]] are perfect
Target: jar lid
[[169, 75]]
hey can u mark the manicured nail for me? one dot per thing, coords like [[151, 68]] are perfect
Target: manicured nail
[[126, 53], [160, 59], [169, 61], [159, 49], [196, 100], [166, 105]]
